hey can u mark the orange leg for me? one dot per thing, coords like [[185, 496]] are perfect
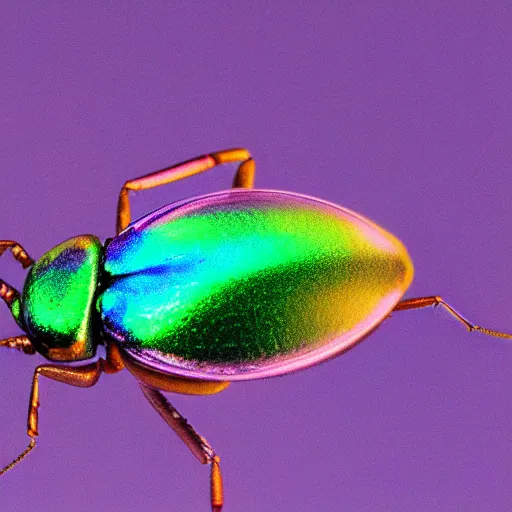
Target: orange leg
[[244, 177], [196, 443], [423, 302], [81, 376], [8, 294], [21, 343], [18, 252]]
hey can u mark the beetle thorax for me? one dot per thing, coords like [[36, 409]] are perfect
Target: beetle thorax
[[57, 304]]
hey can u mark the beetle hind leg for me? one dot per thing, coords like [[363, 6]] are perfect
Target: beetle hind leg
[[196, 443], [423, 302]]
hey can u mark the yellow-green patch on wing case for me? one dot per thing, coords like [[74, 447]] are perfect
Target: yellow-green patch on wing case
[[249, 284]]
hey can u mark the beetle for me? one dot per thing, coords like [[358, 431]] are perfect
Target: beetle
[[235, 285]]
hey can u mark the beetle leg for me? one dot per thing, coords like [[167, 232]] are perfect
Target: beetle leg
[[196, 443], [423, 302], [244, 177], [113, 363], [81, 376], [18, 252], [21, 343], [8, 294]]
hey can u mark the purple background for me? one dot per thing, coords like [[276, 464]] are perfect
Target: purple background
[[400, 112]]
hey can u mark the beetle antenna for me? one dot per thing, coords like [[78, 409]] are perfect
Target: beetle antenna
[[20, 457]]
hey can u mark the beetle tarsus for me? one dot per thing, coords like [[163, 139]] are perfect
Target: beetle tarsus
[[436, 300], [20, 457]]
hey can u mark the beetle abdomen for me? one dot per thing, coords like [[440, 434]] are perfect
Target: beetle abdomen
[[249, 283]]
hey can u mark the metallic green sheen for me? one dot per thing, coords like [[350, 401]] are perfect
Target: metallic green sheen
[[16, 312], [57, 299], [236, 277]]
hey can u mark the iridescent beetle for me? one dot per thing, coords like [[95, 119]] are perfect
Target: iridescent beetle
[[235, 285]]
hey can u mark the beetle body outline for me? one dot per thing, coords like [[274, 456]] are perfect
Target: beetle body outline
[[73, 274]]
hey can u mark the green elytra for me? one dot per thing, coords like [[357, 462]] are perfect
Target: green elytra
[[236, 277]]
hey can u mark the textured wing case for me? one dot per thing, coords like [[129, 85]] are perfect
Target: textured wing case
[[248, 284]]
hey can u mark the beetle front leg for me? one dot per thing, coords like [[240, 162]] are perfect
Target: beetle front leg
[[196, 443], [21, 343], [81, 376], [244, 177], [18, 252]]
